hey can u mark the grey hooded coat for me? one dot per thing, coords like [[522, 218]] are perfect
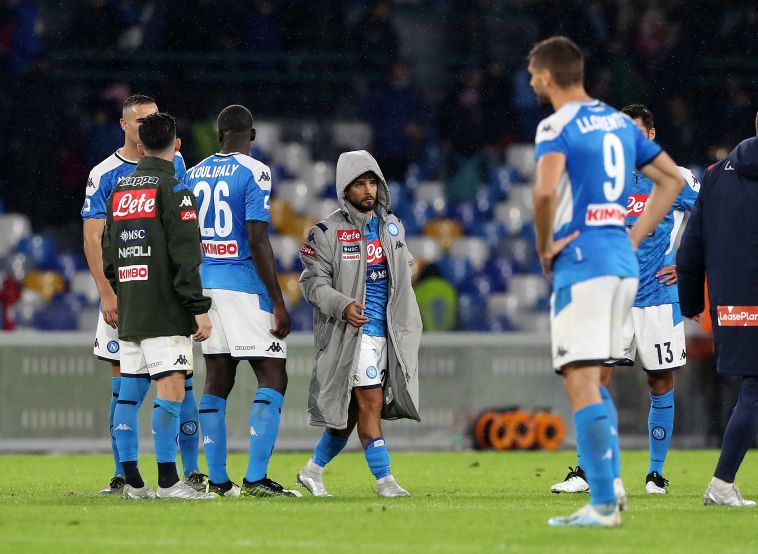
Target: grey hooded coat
[[333, 278]]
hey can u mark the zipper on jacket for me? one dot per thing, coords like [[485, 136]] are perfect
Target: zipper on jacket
[[390, 328]]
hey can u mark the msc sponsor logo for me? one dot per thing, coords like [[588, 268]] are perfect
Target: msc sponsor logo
[[189, 428], [375, 252], [375, 276], [604, 214], [351, 249], [131, 235], [134, 252], [132, 273], [636, 204], [308, 251], [737, 316], [352, 235], [113, 346], [220, 249], [188, 215], [128, 205]]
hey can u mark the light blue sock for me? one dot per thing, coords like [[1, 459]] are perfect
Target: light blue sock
[[125, 423], [593, 433], [660, 425], [613, 420], [265, 414], [327, 448], [115, 386], [165, 429], [213, 427], [377, 457], [188, 440]]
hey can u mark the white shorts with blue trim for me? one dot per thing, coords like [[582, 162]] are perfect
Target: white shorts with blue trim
[[372, 362], [587, 319], [107, 346], [156, 357], [657, 333], [241, 326]]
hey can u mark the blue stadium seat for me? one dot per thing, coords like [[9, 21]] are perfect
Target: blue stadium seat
[[302, 317], [57, 316], [472, 313], [501, 180], [500, 269], [457, 271], [500, 324], [464, 213], [493, 232], [485, 203], [40, 250], [69, 263]]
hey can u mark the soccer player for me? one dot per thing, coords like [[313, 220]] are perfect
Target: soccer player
[[586, 152], [248, 313], [357, 277], [160, 302], [655, 325], [102, 180]]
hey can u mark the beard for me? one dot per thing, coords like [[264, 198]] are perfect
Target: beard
[[365, 205]]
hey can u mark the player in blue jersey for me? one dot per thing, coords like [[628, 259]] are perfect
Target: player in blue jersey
[[586, 152], [248, 314], [655, 326], [102, 180]]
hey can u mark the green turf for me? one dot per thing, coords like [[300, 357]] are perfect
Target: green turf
[[462, 502]]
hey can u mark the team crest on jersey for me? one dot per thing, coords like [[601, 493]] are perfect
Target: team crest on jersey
[[113, 346], [393, 230]]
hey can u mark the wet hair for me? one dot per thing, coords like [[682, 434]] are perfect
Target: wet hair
[[235, 119], [158, 132], [137, 100], [640, 110], [562, 57]]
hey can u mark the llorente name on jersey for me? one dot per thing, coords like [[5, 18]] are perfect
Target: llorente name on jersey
[[211, 172], [587, 124]]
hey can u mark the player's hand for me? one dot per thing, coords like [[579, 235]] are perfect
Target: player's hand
[[281, 320], [109, 305], [353, 314], [203, 327], [668, 274], [555, 248]]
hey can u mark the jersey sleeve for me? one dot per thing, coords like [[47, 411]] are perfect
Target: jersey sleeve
[[258, 195], [179, 167], [686, 199], [550, 138], [646, 150], [99, 188]]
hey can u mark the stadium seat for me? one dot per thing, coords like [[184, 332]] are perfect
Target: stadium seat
[[24, 310], [499, 324], [529, 289], [349, 135], [427, 249], [502, 178], [472, 313], [296, 193], [321, 207], [522, 251], [57, 316], [83, 284], [40, 249], [458, 271], [17, 265], [522, 197], [433, 193], [500, 269], [475, 249], [268, 135], [400, 195], [511, 216], [46, 283], [444, 230], [281, 212], [492, 232], [290, 290], [87, 319], [70, 263], [504, 304], [286, 250], [464, 213], [521, 157], [294, 156], [322, 175], [534, 322], [302, 317], [13, 228]]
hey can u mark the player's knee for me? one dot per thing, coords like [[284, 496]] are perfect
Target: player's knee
[[171, 387], [370, 401], [660, 383]]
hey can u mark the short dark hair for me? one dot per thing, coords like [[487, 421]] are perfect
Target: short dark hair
[[158, 131], [137, 100], [643, 112], [562, 57], [235, 119]]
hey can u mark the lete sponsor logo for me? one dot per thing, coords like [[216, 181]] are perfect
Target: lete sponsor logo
[[636, 204], [132, 273], [188, 215], [604, 214], [375, 252], [737, 316], [220, 249], [134, 205], [308, 251], [351, 235]]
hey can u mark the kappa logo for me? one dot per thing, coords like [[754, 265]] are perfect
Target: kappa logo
[[561, 352], [265, 176], [207, 440], [546, 128], [90, 183], [138, 181], [399, 244], [312, 237], [181, 360], [97, 343], [684, 355], [186, 202], [275, 347], [252, 432], [608, 455], [122, 427]]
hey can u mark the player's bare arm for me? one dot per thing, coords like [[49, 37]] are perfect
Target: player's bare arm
[[668, 184], [263, 258], [550, 167], [93, 251]]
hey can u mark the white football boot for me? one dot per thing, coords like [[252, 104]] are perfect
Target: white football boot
[[183, 491], [721, 493], [387, 487], [311, 477], [587, 516], [655, 483], [574, 482], [133, 493]]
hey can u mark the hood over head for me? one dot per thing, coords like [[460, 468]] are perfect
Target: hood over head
[[744, 158], [352, 165]]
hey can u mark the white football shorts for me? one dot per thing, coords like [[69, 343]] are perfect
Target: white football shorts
[[657, 333], [372, 362], [587, 318], [241, 327], [156, 357], [107, 346]]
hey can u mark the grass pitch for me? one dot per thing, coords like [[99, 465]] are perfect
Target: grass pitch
[[462, 502]]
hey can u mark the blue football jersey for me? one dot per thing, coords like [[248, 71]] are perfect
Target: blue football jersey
[[657, 250], [231, 189], [106, 175], [602, 147], [377, 293]]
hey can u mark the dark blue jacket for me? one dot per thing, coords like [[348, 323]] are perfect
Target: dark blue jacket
[[721, 243]]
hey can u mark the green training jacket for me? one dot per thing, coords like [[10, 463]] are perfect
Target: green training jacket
[[152, 253]]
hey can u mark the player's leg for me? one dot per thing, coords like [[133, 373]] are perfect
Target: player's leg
[[738, 437], [188, 439], [332, 442], [170, 360], [660, 424], [221, 371]]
